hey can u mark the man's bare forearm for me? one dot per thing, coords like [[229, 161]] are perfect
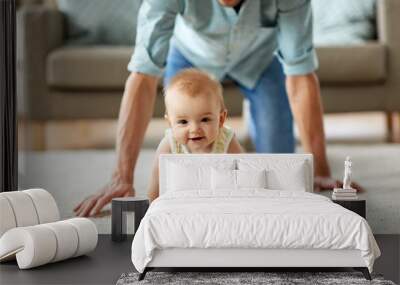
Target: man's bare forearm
[[305, 101], [135, 113]]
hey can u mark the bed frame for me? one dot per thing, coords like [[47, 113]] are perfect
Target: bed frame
[[246, 258], [242, 259]]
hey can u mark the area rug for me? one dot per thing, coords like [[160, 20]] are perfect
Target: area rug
[[243, 278]]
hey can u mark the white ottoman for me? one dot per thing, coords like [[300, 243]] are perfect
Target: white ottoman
[[31, 233]]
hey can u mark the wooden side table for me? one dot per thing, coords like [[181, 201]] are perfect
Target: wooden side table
[[118, 221], [357, 206]]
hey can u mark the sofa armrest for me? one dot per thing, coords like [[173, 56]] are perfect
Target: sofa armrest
[[388, 21], [39, 31]]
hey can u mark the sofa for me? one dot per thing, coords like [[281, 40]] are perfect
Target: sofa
[[59, 82]]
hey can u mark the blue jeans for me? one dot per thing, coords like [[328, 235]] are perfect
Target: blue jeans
[[271, 121]]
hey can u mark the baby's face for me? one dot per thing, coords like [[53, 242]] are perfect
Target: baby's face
[[195, 121]]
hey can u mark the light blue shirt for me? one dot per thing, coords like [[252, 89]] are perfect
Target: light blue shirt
[[223, 42]]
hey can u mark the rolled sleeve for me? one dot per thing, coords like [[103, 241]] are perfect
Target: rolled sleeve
[[295, 37], [155, 26], [142, 62]]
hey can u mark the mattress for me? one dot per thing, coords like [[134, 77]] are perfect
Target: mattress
[[251, 219]]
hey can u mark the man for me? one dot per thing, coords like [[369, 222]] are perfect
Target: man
[[246, 41]]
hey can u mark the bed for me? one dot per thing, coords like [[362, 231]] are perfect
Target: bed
[[248, 210]]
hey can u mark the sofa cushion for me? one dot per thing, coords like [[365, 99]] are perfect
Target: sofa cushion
[[104, 68], [101, 21], [114, 22], [343, 21], [352, 64], [94, 67]]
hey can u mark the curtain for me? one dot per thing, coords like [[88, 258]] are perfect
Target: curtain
[[8, 140]]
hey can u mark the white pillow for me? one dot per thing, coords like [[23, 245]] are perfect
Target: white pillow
[[222, 179], [281, 174], [293, 179], [182, 177], [186, 173], [251, 178]]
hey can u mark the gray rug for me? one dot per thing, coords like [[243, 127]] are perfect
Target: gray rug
[[269, 278]]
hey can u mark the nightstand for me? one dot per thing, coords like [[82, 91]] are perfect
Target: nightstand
[[357, 206], [119, 207]]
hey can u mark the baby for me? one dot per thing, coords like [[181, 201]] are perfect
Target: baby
[[196, 114]]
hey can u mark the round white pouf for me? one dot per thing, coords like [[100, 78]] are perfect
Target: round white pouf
[[23, 208], [30, 232], [33, 246], [40, 244], [87, 233], [45, 205], [67, 240], [6, 215]]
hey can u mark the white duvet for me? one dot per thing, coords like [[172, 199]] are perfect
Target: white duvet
[[250, 219]]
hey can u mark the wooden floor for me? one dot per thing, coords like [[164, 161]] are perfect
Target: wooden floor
[[101, 133], [106, 264]]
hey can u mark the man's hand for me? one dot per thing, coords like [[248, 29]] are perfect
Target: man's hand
[[305, 101], [134, 116], [328, 183], [93, 204]]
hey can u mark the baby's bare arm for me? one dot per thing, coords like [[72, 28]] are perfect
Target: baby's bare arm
[[153, 192], [234, 146]]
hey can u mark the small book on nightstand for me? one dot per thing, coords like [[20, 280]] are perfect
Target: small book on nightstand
[[341, 190], [344, 194]]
